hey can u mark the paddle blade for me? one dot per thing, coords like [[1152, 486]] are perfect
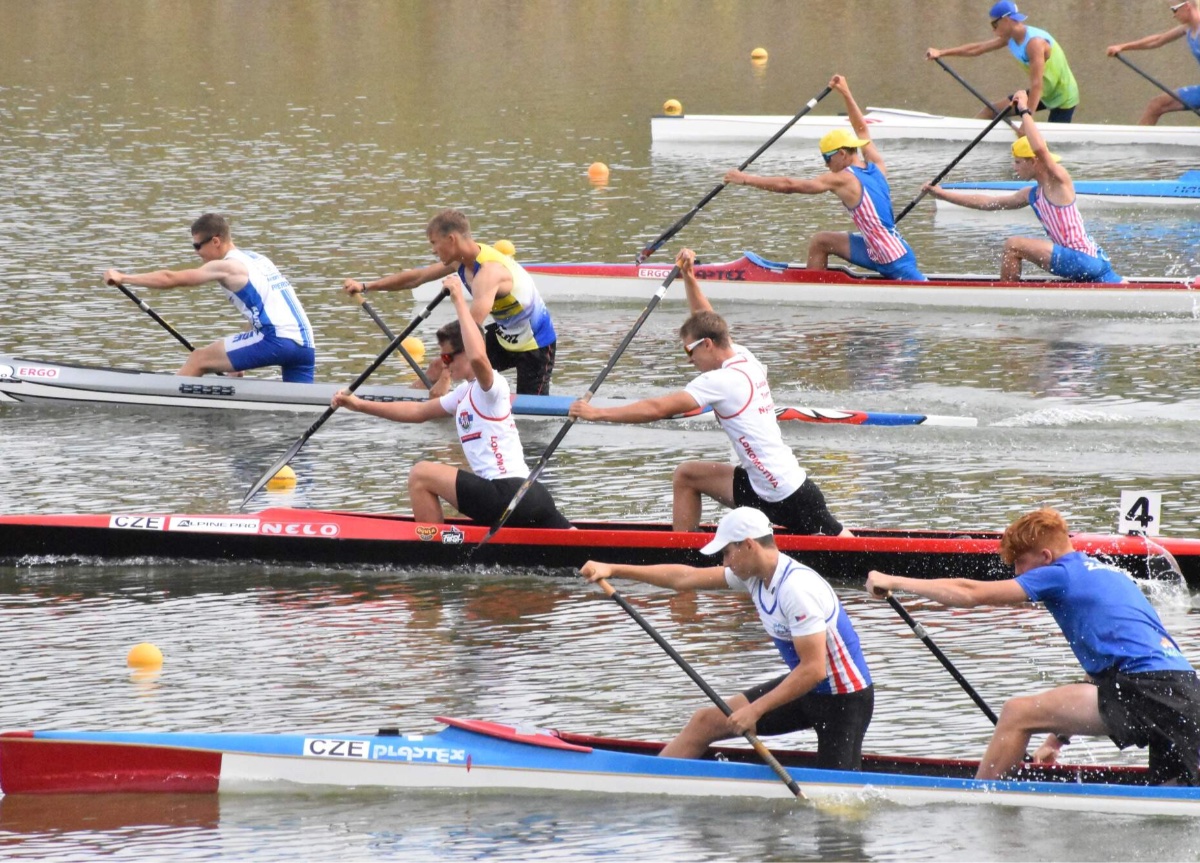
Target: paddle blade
[[272, 470]]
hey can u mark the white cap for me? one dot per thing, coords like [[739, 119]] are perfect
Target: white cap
[[738, 524]]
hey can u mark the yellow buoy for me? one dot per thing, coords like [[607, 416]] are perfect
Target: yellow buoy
[[144, 655], [285, 479], [416, 350], [672, 108], [598, 172], [505, 247], [758, 54]]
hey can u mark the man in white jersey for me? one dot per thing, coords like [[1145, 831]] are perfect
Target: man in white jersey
[[482, 408], [521, 335], [279, 334], [734, 384], [1070, 252], [827, 686]]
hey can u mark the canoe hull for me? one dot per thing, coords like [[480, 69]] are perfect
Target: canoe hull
[[481, 756], [301, 536]]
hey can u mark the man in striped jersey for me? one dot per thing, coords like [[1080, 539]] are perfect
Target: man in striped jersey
[[1070, 252], [279, 334], [858, 176], [827, 686]]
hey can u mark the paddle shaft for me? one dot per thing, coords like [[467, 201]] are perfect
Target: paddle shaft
[[370, 310], [920, 632], [682, 223], [587, 397], [1158, 84], [987, 131], [158, 318], [329, 411], [982, 98], [759, 746]]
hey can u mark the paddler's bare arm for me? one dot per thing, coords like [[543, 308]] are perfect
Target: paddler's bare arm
[[857, 121], [1038, 50], [644, 411], [955, 592], [493, 280], [401, 412], [230, 273], [971, 49], [670, 575], [784, 185], [405, 280], [976, 201], [697, 302]]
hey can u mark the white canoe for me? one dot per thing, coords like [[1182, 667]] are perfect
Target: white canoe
[[1093, 194], [890, 124], [39, 382]]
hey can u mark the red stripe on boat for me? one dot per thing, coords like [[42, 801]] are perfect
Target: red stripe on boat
[[32, 766]]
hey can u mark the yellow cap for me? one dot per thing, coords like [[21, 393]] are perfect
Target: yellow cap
[[839, 138], [1022, 150]]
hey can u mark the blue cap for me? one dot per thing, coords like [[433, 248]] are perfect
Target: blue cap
[[1006, 9]]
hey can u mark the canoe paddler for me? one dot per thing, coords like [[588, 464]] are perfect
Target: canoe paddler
[[1070, 252], [1187, 17], [1139, 689], [857, 175], [521, 334], [482, 408], [827, 686], [734, 384], [279, 333], [1051, 83]]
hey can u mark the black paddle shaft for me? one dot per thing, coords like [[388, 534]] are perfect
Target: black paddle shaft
[[987, 131], [1159, 85], [158, 318], [387, 331], [920, 632], [716, 699], [562, 432], [982, 98], [329, 411], [653, 247]]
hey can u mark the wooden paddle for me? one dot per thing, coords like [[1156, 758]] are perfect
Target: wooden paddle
[[587, 397], [158, 318], [759, 746], [1158, 84], [955, 161], [651, 248], [920, 632], [361, 299], [982, 98], [379, 360]]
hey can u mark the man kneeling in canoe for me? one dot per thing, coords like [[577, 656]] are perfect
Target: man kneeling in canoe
[[734, 384], [827, 687], [1139, 689], [1069, 253], [482, 407]]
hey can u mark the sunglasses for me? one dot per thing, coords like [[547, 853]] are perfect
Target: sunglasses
[[688, 349], [996, 21], [449, 358], [1178, 6], [828, 157], [199, 245]]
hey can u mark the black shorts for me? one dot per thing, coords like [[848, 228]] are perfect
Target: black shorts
[[533, 367], [804, 511], [1158, 709], [484, 501], [840, 722], [1057, 115]]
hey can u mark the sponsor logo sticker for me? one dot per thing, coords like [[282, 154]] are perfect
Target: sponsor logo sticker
[[138, 522], [653, 272], [426, 533], [426, 754], [465, 419], [332, 747], [209, 524], [299, 528], [452, 536], [36, 372]]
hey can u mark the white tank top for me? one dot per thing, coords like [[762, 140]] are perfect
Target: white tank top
[[741, 400], [268, 300], [486, 429]]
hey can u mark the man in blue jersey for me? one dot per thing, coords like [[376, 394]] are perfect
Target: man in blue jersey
[[1188, 17], [1139, 688], [279, 334], [827, 686], [857, 175], [521, 334], [1051, 83]]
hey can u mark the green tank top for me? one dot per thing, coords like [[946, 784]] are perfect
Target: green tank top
[[1059, 89]]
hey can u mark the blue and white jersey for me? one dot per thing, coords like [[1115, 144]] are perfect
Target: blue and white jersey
[[268, 300], [1107, 620], [798, 602]]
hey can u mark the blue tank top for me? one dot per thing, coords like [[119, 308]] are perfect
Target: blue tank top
[[1193, 41], [873, 215], [1107, 621]]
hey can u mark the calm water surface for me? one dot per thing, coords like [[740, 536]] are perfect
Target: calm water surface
[[330, 132]]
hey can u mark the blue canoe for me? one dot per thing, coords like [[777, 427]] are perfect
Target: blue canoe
[[1183, 191]]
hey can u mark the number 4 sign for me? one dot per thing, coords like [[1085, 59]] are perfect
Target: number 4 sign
[[1141, 512]]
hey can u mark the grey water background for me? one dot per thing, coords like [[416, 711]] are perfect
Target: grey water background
[[330, 132]]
